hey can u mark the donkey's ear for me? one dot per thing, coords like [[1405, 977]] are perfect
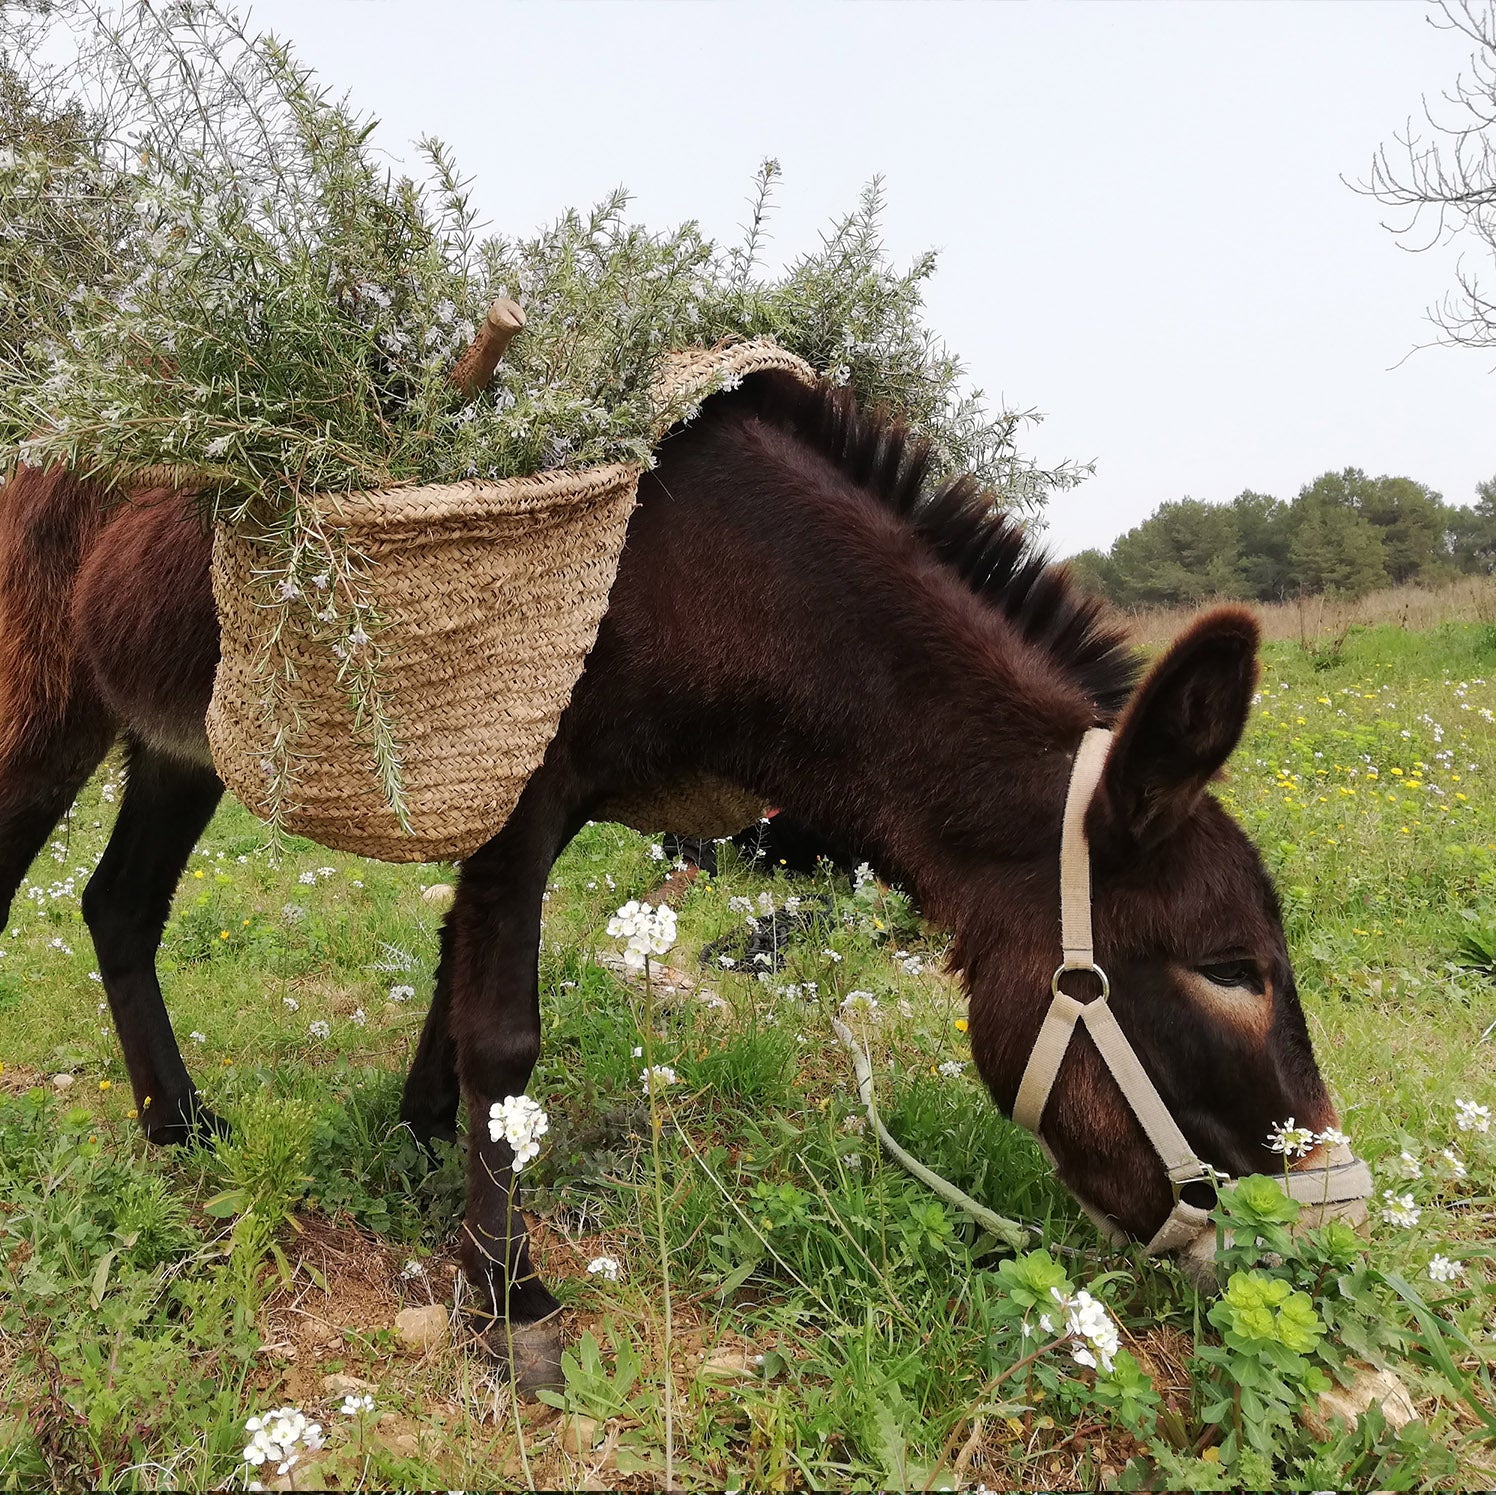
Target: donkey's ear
[[1181, 725]]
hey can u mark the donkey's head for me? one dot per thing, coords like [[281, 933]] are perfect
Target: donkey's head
[[1186, 928]]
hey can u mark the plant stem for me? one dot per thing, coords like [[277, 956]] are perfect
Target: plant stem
[[659, 1195], [982, 1396]]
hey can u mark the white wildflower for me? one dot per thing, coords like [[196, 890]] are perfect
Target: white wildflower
[[951, 1068], [646, 931], [1442, 1269], [1400, 1209], [287, 590], [1091, 1326], [1290, 1140], [280, 1438], [354, 1404], [217, 448], [860, 1001], [358, 1017], [832, 956], [318, 1029], [411, 1270], [656, 852], [656, 1078], [603, 1266], [521, 1122], [197, 1037], [862, 874], [1471, 1117], [290, 1004], [402, 993], [1454, 1162], [1333, 1137], [1407, 1166]]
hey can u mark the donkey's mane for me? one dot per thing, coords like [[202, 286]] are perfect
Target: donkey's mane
[[959, 522]]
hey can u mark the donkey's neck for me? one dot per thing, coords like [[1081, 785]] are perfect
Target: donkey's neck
[[847, 673]]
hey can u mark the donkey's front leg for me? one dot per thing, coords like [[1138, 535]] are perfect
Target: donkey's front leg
[[491, 952]]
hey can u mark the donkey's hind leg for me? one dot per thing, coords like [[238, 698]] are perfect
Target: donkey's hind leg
[[38, 783], [166, 806]]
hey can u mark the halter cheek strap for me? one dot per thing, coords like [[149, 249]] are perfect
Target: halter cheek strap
[[1344, 1177]]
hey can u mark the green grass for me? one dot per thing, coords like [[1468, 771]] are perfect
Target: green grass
[[151, 1302]]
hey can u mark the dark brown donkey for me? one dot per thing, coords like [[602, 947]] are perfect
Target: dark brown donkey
[[798, 613]]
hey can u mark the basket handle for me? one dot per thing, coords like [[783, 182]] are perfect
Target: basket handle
[[471, 373]]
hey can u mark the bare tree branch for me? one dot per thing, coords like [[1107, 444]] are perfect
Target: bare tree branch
[[1440, 177]]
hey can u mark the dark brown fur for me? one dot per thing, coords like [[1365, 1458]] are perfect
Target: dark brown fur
[[796, 612]]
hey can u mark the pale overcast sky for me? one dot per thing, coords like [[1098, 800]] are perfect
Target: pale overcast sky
[[1138, 207]]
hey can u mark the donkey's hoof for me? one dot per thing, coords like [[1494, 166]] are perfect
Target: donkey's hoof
[[532, 1353]]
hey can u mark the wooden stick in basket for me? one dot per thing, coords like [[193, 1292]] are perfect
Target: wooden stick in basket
[[475, 368]]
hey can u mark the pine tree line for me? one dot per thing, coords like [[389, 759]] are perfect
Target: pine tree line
[[1345, 534]]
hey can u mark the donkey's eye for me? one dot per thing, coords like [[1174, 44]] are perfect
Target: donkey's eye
[[1235, 973]]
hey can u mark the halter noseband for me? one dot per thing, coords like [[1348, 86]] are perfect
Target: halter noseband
[[1344, 1178]]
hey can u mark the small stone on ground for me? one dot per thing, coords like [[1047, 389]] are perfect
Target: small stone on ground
[[579, 1434], [422, 1329]]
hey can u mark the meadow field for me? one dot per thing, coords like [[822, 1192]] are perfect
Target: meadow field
[[832, 1323]]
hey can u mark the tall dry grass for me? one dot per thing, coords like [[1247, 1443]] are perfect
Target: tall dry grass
[[1471, 599]]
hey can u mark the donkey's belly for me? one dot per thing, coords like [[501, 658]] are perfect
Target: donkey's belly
[[146, 626]]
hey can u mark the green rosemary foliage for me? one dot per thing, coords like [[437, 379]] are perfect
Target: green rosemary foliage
[[206, 268]]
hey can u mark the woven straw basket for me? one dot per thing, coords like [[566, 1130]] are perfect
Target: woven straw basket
[[489, 596]]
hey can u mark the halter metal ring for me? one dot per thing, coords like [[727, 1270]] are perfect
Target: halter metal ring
[[1212, 1178], [1084, 965]]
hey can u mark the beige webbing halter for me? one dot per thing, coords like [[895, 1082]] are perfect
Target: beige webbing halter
[[1343, 1178]]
